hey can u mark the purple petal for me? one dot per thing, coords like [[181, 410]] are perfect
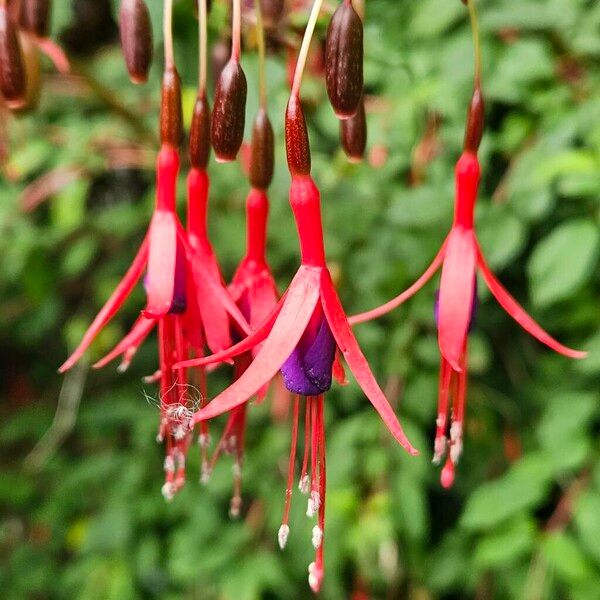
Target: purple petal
[[308, 371]]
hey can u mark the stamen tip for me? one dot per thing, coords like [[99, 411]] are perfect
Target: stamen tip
[[317, 537], [282, 535]]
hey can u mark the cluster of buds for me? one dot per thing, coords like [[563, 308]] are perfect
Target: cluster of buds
[[302, 336], [24, 30]]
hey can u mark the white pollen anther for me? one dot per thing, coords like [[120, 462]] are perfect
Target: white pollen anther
[[317, 537], [456, 443], [314, 581], [439, 449], [168, 491], [314, 502], [205, 474], [304, 485], [204, 440], [282, 535], [235, 507], [169, 465]]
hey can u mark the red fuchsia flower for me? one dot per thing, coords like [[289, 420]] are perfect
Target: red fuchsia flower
[[301, 335], [186, 297], [460, 258], [253, 287]]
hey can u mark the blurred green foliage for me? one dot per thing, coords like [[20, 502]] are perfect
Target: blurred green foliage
[[86, 519]]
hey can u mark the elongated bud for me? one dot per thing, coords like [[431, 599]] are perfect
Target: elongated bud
[[344, 60], [475, 121], [136, 38], [171, 119], [296, 138], [200, 134], [353, 134], [13, 83], [229, 112], [263, 152], [34, 17], [31, 62]]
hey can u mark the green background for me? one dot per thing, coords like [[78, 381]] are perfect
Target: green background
[[81, 511]]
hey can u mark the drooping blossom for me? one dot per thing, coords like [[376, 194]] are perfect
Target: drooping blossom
[[460, 259], [253, 287], [301, 335], [186, 297]]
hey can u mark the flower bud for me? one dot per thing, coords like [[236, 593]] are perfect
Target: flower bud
[[475, 122], [200, 134], [136, 38], [263, 152], [31, 62], [344, 60], [353, 134], [171, 119], [13, 83], [34, 17], [296, 138], [229, 112]]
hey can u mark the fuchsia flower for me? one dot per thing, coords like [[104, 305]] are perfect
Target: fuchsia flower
[[186, 297], [460, 258], [301, 335]]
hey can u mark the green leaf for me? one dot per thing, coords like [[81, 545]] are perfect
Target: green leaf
[[524, 486], [563, 554], [563, 261]]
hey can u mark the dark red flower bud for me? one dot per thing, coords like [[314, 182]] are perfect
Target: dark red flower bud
[[353, 134], [34, 17], [13, 82], [171, 119], [31, 62], [263, 152], [344, 60], [475, 122], [229, 112], [136, 38], [200, 134], [297, 145]]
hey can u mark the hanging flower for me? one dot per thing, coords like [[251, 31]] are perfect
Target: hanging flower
[[186, 297], [301, 335], [460, 258]]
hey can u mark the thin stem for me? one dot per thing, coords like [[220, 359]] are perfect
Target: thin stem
[[476, 41], [202, 46], [168, 34], [302, 56], [262, 71], [236, 30]]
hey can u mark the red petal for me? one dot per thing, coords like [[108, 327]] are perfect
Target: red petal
[[214, 317], [140, 330], [339, 372], [516, 311], [405, 295], [356, 361], [215, 305], [55, 53], [457, 287], [247, 344], [263, 298], [298, 307], [111, 306], [162, 257]]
